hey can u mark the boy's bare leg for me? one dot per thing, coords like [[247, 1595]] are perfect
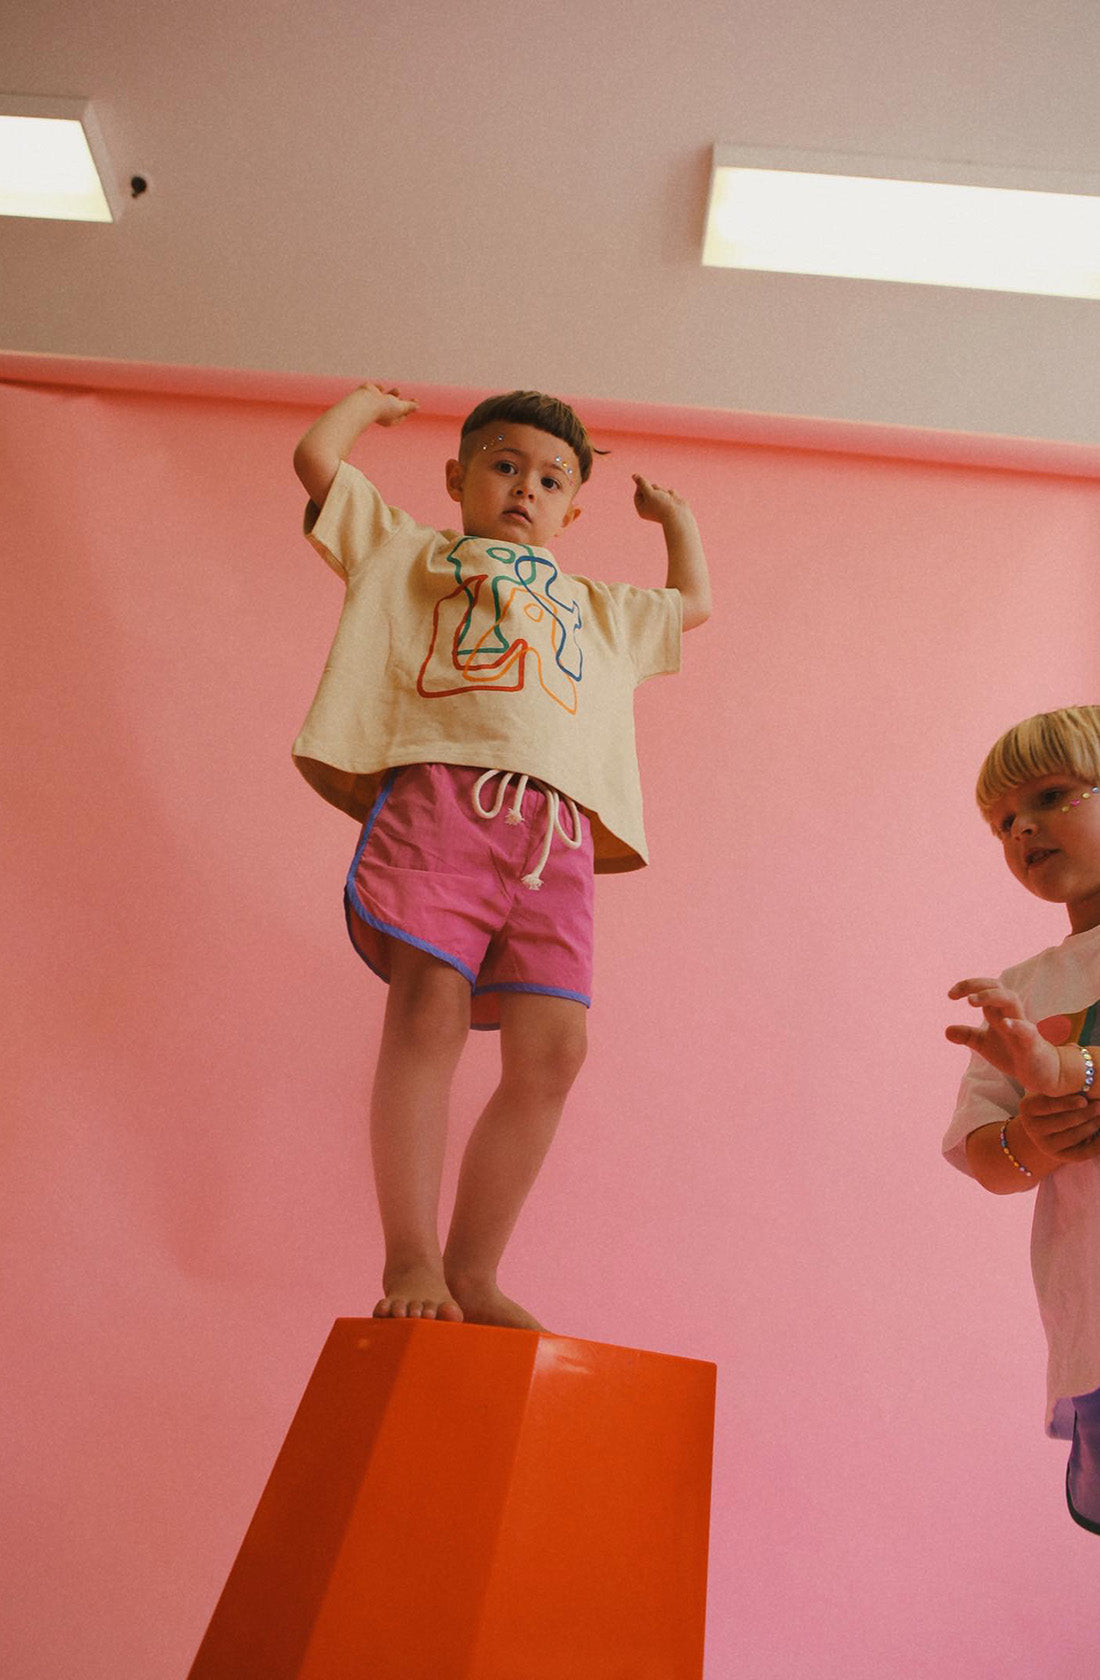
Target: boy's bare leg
[[426, 1024], [542, 1046]]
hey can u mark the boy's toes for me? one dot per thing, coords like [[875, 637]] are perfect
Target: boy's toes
[[402, 1306]]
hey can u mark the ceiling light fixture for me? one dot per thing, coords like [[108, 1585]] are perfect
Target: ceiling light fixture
[[881, 219], [53, 162]]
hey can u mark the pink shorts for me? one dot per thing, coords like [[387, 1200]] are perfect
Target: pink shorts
[[432, 872]]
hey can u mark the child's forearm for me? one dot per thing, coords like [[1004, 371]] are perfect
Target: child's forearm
[[330, 439], [687, 565], [1044, 1134], [992, 1167]]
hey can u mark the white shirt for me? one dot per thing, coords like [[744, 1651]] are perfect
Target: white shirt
[[1065, 1231]]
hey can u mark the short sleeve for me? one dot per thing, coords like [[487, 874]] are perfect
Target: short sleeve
[[354, 522], [651, 627], [986, 1097]]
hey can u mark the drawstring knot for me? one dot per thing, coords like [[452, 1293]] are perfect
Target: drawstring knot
[[554, 802]]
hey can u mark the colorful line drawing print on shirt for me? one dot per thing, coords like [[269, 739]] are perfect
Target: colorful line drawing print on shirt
[[1078, 1028], [491, 627]]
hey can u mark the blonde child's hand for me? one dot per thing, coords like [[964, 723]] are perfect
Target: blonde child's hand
[[653, 501], [1012, 1043], [390, 406], [1065, 1128]]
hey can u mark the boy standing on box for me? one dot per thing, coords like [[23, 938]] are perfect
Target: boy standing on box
[[476, 716]]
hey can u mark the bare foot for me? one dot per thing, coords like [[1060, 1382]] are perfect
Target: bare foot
[[482, 1303], [417, 1292]]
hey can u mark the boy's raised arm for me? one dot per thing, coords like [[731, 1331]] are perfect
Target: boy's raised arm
[[687, 564], [330, 439]]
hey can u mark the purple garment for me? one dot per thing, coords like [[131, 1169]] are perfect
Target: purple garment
[[1083, 1469]]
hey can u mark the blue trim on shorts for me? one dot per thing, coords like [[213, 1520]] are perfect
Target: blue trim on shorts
[[543, 991], [354, 904]]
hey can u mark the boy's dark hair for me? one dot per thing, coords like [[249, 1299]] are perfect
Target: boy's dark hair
[[534, 408]]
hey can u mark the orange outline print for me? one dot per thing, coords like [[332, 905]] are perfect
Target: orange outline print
[[474, 668]]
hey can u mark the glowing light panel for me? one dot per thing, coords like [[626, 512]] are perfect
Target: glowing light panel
[[52, 163], [924, 232]]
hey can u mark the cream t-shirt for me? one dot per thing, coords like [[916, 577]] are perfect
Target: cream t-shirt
[[464, 650], [1064, 982]]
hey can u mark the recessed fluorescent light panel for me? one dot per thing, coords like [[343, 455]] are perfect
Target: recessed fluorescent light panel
[[53, 162], [802, 214]]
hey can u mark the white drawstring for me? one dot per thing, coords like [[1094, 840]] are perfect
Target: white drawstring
[[554, 801]]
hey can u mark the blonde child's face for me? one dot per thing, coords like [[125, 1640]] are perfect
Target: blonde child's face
[[1049, 828], [515, 485]]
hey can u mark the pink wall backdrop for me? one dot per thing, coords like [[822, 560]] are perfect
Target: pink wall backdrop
[[749, 1171]]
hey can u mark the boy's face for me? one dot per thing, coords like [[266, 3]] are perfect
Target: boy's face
[[1050, 830], [515, 484]]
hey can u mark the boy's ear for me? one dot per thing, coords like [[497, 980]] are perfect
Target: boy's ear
[[574, 513], [456, 474]]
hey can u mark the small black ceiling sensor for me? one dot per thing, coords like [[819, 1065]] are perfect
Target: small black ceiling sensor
[[138, 185]]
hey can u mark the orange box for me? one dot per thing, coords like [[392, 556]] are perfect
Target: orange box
[[454, 1502]]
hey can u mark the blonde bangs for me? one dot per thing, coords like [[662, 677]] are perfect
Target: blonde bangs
[[1067, 740]]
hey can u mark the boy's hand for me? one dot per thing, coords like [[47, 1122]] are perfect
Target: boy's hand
[[390, 406], [329, 440], [1014, 1044], [1065, 1128], [653, 501]]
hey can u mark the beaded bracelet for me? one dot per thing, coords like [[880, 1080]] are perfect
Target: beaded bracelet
[[1090, 1070], [1019, 1165]]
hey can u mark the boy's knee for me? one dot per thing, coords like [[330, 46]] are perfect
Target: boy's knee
[[566, 1057], [548, 1062]]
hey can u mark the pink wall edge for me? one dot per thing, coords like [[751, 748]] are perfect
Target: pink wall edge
[[771, 431]]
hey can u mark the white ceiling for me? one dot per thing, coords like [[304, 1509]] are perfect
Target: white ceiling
[[487, 194]]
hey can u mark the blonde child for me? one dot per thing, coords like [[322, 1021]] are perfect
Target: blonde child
[[1028, 1118], [476, 716]]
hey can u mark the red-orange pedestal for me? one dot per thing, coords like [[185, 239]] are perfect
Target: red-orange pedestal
[[460, 1503]]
